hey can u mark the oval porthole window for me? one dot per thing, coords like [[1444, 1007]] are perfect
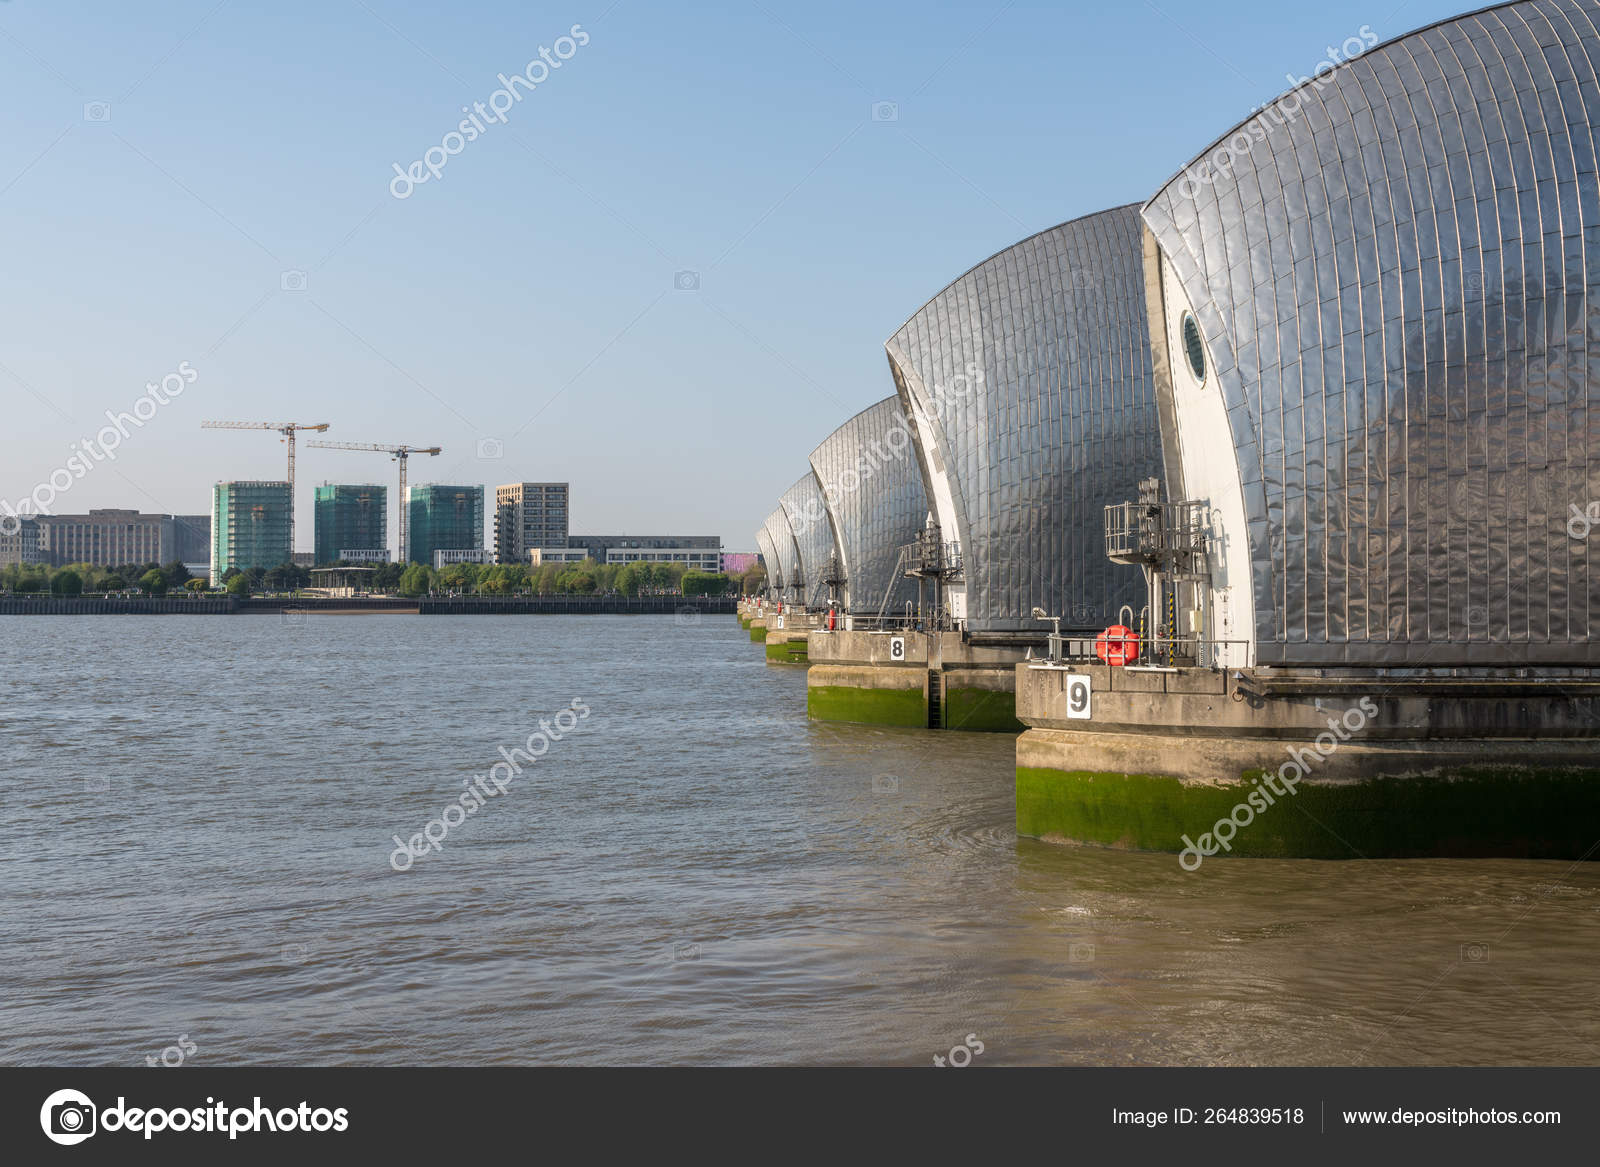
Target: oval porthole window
[[1194, 348]]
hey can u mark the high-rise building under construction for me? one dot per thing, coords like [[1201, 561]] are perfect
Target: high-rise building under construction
[[351, 517], [444, 518], [249, 526]]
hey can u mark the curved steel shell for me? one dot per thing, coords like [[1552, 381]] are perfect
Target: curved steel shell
[[785, 568], [769, 557], [1028, 382], [872, 488], [1391, 274], [813, 538]]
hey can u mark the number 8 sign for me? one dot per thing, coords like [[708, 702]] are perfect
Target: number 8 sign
[[1077, 693], [897, 648]]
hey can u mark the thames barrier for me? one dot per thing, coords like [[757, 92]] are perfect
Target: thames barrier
[[1278, 487]]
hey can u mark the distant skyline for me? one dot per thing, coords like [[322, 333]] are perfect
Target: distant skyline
[[657, 260]]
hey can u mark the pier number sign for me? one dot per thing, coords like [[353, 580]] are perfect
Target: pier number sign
[[780, 623], [897, 648], [1077, 693]]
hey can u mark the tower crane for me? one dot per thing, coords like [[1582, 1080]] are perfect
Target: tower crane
[[287, 429], [399, 454]]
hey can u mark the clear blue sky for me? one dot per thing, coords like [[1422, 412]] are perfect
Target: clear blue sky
[[528, 294]]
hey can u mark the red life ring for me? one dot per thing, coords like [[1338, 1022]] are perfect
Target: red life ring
[[1117, 645]]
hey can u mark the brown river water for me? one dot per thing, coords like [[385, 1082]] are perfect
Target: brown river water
[[204, 811]]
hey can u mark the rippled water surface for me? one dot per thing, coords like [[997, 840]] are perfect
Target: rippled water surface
[[202, 809]]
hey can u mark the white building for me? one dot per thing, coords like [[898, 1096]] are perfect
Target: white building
[[444, 557], [25, 544], [693, 558]]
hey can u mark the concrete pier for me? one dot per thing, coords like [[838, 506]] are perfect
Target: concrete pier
[[1310, 763], [932, 680], [786, 636], [753, 616]]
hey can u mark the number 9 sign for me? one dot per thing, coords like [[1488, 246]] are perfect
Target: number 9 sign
[[1077, 694]]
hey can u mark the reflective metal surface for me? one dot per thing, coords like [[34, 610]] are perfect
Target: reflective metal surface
[[1391, 275], [769, 557], [784, 568], [813, 537], [872, 488], [1035, 370]]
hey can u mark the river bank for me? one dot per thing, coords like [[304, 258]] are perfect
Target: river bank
[[683, 607]]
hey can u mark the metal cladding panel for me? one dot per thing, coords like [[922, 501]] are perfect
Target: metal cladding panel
[[872, 487], [783, 546], [769, 557], [1034, 369], [813, 537], [1392, 279]]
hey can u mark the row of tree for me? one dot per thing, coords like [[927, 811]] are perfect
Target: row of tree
[[553, 579], [78, 578], [586, 578]]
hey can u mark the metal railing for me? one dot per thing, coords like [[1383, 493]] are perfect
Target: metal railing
[[932, 558], [1158, 651], [1168, 536], [907, 619]]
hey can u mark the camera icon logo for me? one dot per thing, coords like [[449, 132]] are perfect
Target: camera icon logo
[[1475, 954], [68, 1117], [885, 784], [688, 616], [683, 951], [686, 281], [491, 449], [96, 785], [295, 954], [885, 111], [1081, 953], [292, 281], [97, 111], [294, 617]]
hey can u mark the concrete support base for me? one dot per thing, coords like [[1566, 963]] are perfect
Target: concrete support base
[[1382, 801], [1312, 767], [981, 700], [785, 648], [930, 680], [866, 695], [785, 637]]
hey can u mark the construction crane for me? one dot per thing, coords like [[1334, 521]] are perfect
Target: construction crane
[[287, 429], [399, 454]]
